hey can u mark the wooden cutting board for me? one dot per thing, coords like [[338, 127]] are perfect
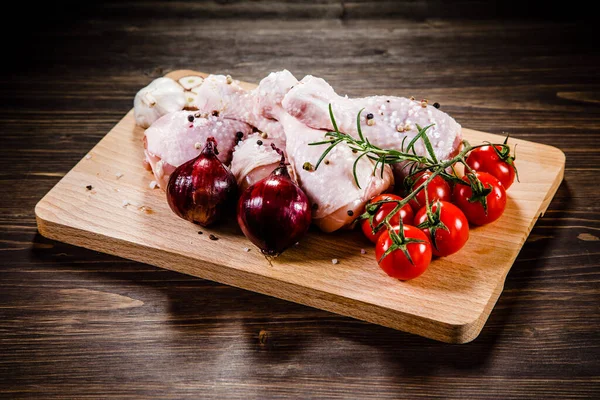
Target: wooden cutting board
[[450, 302]]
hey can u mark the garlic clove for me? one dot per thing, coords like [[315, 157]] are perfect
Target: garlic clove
[[190, 82], [160, 97], [190, 100]]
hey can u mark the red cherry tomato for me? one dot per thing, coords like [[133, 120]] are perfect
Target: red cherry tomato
[[486, 159], [446, 241], [438, 189], [474, 211], [406, 213], [395, 264]]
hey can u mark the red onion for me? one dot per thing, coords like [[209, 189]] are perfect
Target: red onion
[[201, 189], [274, 213]]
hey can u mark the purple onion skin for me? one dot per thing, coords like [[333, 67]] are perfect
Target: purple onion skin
[[274, 213], [202, 189]]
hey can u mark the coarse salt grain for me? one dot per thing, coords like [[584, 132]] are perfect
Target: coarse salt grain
[[88, 156], [363, 251], [246, 249], [334, 261], [118, 175], [153, 185], [125, 203]]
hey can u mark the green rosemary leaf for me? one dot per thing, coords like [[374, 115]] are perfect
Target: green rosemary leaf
[[358, 128], [333, 119], [327, 152], [323, 142], [354, 168], [411, 144], [429, 147]]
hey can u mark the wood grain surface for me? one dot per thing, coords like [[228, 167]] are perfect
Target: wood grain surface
[[80, 324], [105, 204]]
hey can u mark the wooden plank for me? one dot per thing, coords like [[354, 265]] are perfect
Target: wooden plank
[[450, 302]]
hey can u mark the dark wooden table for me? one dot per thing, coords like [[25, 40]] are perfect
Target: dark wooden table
[[80, 324]]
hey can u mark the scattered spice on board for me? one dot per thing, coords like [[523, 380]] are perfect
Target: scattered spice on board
[[146, 210], [89, 187], [212, 237]]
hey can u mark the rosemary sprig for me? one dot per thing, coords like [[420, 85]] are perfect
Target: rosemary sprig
[[375, 153]]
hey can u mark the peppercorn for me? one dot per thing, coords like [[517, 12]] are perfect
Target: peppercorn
[[307, 166], [239, 135], [259, 142], [436, 104], [89, 187], [212, 237], [350, 213], [370, 116], [215, 113], [315, 206], [191, 118], [326, 162]]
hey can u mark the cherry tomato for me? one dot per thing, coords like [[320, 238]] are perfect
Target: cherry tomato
[[438, 189], [395, 264], [406, 213], [474, 211], [486, 159], [446, 241]]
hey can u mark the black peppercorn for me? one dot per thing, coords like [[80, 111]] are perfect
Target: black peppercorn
[[436, 105], [191, 118], [239, 135], [370, 116], [315, 206], [215, 113], [259, 142], [212, 237], [89, 187], [350, 213]]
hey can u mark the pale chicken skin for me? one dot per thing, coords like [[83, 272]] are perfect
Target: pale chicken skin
[[224, 95], [172, 140], [254, 159], [385, 120]]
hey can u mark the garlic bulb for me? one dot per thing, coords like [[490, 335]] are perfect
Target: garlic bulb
[[160, 97]]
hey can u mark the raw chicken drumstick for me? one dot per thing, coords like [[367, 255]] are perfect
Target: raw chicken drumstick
[[385, 120], [172, 139], [335, 197]]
